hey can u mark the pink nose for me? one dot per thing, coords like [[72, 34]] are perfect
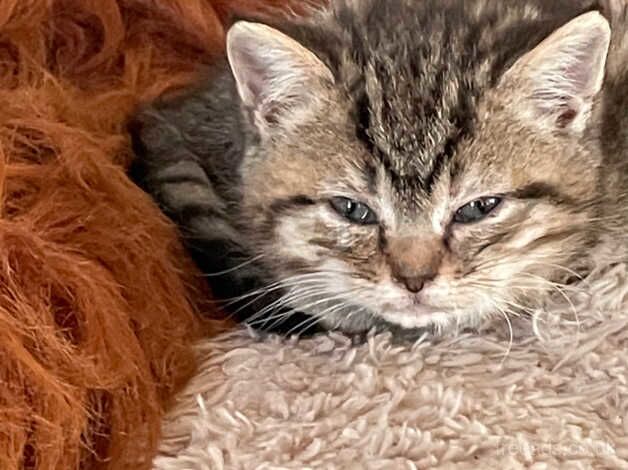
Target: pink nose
[[414, 261], [413, 284]]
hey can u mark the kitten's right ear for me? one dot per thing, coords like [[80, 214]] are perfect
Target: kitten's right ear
[[276, 77], [556, 83]]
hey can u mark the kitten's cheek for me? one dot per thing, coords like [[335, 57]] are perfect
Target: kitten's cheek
[[439, 293], [451, 268], [456, 240], [292, 240]]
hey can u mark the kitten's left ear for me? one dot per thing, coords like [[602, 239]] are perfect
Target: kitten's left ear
[[556, 82], [277, 78]]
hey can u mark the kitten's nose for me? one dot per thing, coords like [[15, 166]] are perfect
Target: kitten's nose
[[413, 284], [414, 262]]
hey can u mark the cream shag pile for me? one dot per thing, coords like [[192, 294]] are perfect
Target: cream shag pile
[[556, 398]]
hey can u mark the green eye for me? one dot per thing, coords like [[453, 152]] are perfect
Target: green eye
[[476, 210], [356, 212]]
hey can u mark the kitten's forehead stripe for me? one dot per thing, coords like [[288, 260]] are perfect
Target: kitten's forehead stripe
[[416, 84], [370, 173]]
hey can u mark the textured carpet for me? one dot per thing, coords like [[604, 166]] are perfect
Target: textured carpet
[[557, 397]]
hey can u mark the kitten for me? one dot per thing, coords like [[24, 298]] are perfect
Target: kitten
[[426, 163]]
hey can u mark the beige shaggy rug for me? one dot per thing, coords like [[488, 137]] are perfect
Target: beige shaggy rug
[[557, 397]]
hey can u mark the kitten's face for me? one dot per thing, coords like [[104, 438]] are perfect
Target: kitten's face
[[538, 229], [486, 230]]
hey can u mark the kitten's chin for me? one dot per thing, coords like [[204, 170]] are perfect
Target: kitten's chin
[[420, 316]]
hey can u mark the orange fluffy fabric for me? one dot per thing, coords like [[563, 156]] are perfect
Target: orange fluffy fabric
[[97, 315]]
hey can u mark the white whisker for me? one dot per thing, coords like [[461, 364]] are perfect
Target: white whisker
[[235, 268]]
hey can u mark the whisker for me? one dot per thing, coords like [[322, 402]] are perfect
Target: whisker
[[283, 283], [262, 317], [296, 293], [318, 318], [329, 299], [268, 291], [353, 312], [291, 280], [291, 296], [560, 290], [235, 268]]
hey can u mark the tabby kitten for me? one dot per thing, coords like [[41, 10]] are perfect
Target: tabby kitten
[[426, 163]]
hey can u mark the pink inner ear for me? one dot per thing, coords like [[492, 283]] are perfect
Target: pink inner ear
[[561, 106], [565, 72], [566, 117], [271, 113], [253, 74]]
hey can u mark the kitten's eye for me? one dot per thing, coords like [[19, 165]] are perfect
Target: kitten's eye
[[476, 210], [356, 212]]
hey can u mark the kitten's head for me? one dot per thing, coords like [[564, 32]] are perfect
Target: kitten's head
[[422, 187]]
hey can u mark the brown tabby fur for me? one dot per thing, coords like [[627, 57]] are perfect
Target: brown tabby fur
[[97, 315], [414, 108]]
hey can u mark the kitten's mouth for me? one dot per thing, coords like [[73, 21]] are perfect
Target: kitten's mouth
[[420, 309], [411, 304], [414, 308], [416, 316]]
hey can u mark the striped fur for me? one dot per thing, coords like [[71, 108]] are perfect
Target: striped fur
[[414, 108]]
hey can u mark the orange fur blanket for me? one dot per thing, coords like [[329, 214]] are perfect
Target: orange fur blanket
[[96, 313]]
